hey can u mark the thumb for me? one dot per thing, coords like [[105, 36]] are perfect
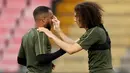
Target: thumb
[[39, 30]]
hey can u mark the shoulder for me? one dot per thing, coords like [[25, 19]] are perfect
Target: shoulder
[[34, 34], [100, 31], [97, 31], [29, 34]]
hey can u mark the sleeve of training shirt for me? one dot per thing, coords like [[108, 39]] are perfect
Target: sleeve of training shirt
[[47, 58], [43, 47], [89, 38], [40, 43], [21, 55]]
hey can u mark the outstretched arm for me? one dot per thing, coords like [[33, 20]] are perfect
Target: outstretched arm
[[21, 59], [70, 48], [65, 38]]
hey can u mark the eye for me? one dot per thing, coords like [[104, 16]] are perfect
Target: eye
[[52, 17]]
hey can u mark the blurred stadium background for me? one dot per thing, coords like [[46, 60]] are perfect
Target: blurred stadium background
[[16, 19]]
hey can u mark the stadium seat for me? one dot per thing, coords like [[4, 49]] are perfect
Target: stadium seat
[[20, 32], [7, 23], [15, 41], [9, 68], [4, 31], [13, 50], [28, 12], [35, 3], [15, 47], [9, 65], [11, 12], [16, 3], [25, 25], [28, 22], [2, 39], [8, 20], [9, 62], [11, 54], [1, 3]]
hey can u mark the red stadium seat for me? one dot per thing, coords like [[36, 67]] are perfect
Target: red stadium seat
[[35, 3], [15, 41], [28, 13], [1, 3], [28, 22], [20, 32], [15, 47], [25, 25], [10, 54], [16, 3], [4, 31], [9, 61], [2, 39], [13, 50], [7, 22], [11, 12], [9, 64]]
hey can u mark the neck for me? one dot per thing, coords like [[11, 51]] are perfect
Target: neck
[[39, 25], [86, 29]]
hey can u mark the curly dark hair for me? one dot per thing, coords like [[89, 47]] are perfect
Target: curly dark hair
[[89, 13]]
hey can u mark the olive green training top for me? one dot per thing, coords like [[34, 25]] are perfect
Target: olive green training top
[[35, 43], [98, 59]]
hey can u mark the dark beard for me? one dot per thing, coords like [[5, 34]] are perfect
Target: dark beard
[[48, 26]]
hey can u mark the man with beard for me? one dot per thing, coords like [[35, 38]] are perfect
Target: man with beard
[[35, 48]]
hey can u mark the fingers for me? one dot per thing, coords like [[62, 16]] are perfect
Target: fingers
[[54, 17], [55, 20], [56, 23]]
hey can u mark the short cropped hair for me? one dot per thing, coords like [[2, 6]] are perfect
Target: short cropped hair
[[39, 10]]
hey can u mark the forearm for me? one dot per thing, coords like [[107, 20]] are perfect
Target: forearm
[[21, 61], [65, 46], [69, 48], [47, 58], [65, 38]]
